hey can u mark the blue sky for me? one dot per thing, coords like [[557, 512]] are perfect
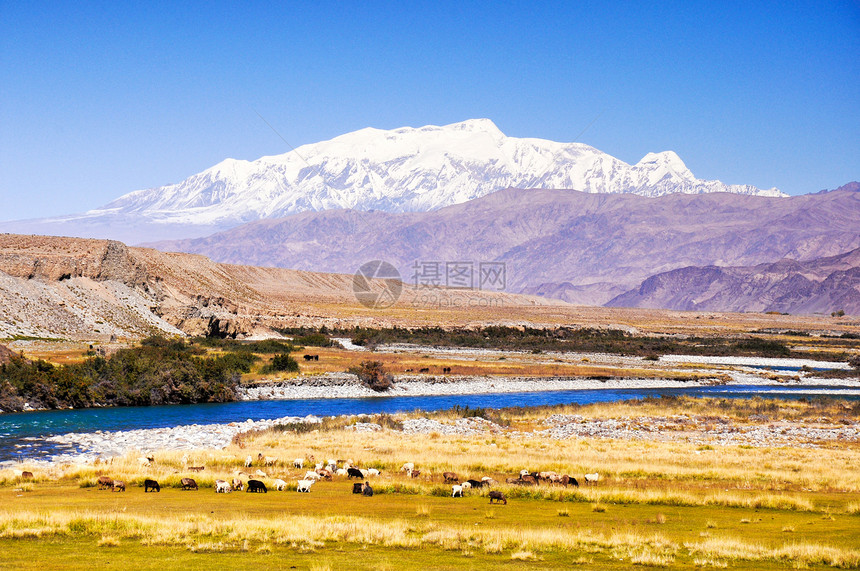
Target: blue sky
[[101, 99]]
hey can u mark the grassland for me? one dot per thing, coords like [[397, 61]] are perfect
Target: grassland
[[658, 504]]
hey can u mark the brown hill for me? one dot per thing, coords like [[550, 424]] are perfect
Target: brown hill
[[583, 248], [81, 288], [823, 285]]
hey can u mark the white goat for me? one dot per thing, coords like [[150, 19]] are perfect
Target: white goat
[[299, 463], [457, 491], [248, 462], [222, 487], [341, 472], [591, 478], [280, 485], [304, 486], [312, 476], [408, 467], [372, 472]]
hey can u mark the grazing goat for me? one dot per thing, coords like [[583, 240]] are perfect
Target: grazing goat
[[26, 475], [476, 483], [366, 490], [188, 484], [457, 491], [299, 463], [498, 497], [237, 484], [341, 472], [260, 473], [118, 486], [256, 486], [407, 467], [529, 480], [466, 485], [414, 473], [591, 478], [248, 461], [488, 481], [325, 474], [450, 477], [280, 485], [196, 468], [354, 473], [151, 485], [304, 486], [372, 472], [105, 482], [312, 476], [222, 487]]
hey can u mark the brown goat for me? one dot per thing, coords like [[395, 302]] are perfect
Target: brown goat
[[450, 477]]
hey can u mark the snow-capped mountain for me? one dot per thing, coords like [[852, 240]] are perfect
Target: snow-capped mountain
[[407, 169]]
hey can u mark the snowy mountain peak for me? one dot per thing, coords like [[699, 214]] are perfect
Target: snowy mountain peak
[[405, 169]]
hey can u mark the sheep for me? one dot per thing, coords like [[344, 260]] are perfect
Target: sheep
[[105, 482], [237, 484], [299, 463], [591, 478], [408, 467], [354, 473], [222, 487], [266, 460], [498, 497], [457, 491], [118, 486], [450, 477], [248, 461], [565, 480], [188, 484], [280, 485], [256, 486], [151, 485], [305, 486]]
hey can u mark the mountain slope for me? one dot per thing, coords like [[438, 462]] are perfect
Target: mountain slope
[[580, 247], [822, 285], [407, 169]]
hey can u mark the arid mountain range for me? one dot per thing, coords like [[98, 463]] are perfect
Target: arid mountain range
[[579, 247], [823, 285]]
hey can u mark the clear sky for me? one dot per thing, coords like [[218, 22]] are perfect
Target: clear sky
[[102, 99]]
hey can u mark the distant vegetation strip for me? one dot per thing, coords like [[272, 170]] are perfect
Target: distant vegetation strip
[[572, 339]]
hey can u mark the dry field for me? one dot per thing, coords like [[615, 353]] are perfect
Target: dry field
[[657, 504]]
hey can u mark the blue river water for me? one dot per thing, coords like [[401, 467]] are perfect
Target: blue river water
[[24, 433]]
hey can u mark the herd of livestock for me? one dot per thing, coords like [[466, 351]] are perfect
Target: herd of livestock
[[328, 470]]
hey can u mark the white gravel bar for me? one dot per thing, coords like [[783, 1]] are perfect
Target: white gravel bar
[[774, 362]]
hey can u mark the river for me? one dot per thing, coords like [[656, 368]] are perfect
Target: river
[[23, 435]]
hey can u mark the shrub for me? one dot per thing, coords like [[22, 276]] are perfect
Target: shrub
[[282, 362], [373, 375]]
